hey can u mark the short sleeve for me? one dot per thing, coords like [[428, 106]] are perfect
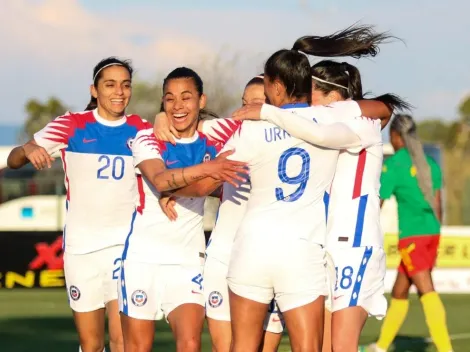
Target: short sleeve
[[436, 174], [387, 180], [368, 130], [238, 142], [55, 135], [220, 130], [146, 146]]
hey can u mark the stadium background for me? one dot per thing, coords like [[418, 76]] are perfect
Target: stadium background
[[34, 314]]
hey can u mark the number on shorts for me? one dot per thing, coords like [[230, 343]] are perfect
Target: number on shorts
[[198, 280], [117, 167], [301, 179], [117, 267], [346, 278]]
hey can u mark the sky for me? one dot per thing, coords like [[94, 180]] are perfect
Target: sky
[[49, 47]]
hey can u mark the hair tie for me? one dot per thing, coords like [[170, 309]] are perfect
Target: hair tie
[[333, 84], [105, 66]]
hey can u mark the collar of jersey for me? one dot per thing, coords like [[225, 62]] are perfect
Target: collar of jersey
[[105, 122], [295, 106], [187, 140]]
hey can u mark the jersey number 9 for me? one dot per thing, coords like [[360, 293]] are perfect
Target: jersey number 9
[[301, 179], [117, 167]]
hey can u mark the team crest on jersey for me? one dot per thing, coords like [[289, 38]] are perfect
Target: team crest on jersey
[[74, 293], [215, 299], [207, 157], [129, 143], [139, 298]]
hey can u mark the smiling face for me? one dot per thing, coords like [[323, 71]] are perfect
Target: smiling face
[[182, 103], [113, 91]]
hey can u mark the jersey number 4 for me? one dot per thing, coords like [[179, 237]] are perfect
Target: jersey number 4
[[301, 179], [116, 165]]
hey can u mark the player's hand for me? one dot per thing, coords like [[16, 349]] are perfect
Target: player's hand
[[38, 156], [164, 130], [248, 112], [167, 203], [227, 170]]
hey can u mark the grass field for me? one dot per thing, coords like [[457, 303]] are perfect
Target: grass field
[[40, 320]]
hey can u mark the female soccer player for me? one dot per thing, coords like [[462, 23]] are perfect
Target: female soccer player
[[354, 235], [229, 216], [415, 180], [101, 192], [162, 264]]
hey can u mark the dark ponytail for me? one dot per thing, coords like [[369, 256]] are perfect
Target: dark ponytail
[[344, 78], [92, 105], [356, 41], [292, 67]]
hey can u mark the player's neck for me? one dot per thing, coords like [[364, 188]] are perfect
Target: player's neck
[[105, 115], [188, 132], [290, 101]]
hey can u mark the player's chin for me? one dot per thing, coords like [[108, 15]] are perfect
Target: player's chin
[[183, 125], [118, 108]]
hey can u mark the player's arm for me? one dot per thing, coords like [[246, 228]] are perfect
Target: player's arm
[[238, 150], [148, 160], [29, 152], [53, 137], [374, 109], [436, 176], [352, 133], [200, 188], [387, 182]]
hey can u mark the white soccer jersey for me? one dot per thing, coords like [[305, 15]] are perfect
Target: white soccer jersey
[[99, 176], [233, 201], [353, 204], [153, 237], [288, 178]]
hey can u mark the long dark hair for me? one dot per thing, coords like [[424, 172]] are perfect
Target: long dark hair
[[98, 72], [293, 68], [345, 79]]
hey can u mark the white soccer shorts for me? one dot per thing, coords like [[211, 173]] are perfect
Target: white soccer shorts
[[92, 278], [291, 271], [217, 297], [152, 291], [360, 273]]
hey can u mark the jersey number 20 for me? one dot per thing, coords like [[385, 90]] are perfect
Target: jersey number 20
[[116, 164], [301, 179]]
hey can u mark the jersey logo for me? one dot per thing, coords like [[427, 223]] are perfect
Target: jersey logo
[[74, 293], [129, 143], [89, 140], [139, 298], [206, 158], [215, 299], [169, 163]]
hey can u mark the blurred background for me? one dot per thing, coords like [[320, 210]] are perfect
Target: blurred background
[[49, 49]]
